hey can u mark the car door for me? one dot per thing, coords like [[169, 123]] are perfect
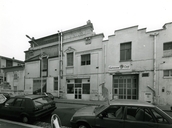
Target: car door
[[18, 107], [161, 118], [110, 118], [6, 108], [139, 117]]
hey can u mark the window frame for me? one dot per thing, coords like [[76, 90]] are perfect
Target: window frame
[[44, 67], [85, 59], [167, 46], [70, 58], [56, 81], [124, 55], [9, 63], [167, 73]]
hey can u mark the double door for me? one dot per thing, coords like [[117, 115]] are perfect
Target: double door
[[78, 93]]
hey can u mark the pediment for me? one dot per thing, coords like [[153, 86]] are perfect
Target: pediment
[[69, 49], [37, 57]]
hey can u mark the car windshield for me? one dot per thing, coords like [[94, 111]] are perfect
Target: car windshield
[[41, 101], [100, 108]]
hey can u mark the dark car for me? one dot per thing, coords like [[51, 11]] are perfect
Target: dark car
[[121, 114], [28, 108], [7, 95]]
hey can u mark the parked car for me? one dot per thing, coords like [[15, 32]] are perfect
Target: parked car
[[28, 108], [7, 95], [121, 114]]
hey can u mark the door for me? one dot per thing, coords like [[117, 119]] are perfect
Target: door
[[125, 87], [112, 117], [78, 93], [7, 108], [139, 117], [18, 107]]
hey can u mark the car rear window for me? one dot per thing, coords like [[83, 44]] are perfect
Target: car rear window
[[41, 101]]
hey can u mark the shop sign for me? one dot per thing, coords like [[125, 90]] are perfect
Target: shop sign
[[120, 67]]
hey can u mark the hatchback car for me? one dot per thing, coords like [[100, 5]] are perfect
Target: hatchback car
[[27, 107], [121, 114]]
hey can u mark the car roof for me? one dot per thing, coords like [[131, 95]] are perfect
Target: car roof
[[30, 96], [131, 103]]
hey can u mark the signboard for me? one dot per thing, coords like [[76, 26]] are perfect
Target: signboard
[[120, 67]]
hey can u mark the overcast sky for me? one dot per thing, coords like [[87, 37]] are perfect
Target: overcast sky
[[39, 18]]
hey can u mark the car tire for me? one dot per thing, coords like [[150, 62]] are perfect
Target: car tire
[[25, 119], [83, 125]]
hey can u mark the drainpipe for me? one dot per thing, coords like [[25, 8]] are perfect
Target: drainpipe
[[60, 62], [154, 65]]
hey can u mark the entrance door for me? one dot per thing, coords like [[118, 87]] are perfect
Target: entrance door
[[78, 93], [125, 86]]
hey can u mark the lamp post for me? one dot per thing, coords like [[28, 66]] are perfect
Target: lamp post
[[33, 40]]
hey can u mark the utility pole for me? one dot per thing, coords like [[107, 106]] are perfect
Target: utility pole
[[41, 60], [61, 61]]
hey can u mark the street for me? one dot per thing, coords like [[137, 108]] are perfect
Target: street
[[65, 112]]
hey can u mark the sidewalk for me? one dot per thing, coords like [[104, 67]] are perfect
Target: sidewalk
[[13, 124]]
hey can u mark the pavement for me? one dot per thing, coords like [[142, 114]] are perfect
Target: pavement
[[12, 124]]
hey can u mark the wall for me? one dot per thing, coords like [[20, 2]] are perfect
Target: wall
[[141, 57]]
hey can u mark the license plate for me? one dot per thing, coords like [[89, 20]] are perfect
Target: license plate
[[47, 106]]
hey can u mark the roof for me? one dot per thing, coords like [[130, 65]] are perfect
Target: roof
[[131, 103], [30, 96], [12, 59]]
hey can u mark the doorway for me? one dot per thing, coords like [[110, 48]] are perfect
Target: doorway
[[78, 93]]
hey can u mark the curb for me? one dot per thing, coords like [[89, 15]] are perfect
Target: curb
[[21, 124], [76, 103]]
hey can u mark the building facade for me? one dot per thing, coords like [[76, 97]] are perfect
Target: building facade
[[11, 75], [139, 64], [68, 64], [6, 62], [79, 64]]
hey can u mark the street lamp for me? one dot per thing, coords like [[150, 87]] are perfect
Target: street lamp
[[33, 40]]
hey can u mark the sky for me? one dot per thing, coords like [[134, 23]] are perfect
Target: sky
[[40, 18]]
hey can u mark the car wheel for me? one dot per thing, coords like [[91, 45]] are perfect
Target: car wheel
[[25, 119], [83, 125]]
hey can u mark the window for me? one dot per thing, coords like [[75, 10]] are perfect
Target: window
[[167, 46], [70, 59], [55, 83], [125, 87], [86, 88], [159, 118], [9, 63], [44, 66], [78, 83], [114, 112], [125, 51], [18, 103], [168, 73], [10, 102], [70, 88], [139, 114], [145, 74], [85, 59]]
